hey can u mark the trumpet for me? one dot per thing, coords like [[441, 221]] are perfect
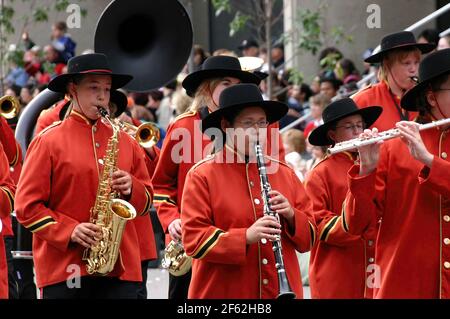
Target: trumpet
[[9, 106], [147, 134], [386, 135]]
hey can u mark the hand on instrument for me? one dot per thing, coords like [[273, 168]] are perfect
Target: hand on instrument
[[86, 234], [369, 155], [281, 205], [175, 229], [266, 227], [122, 182], [410, 135]]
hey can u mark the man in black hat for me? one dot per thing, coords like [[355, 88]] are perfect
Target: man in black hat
[[399, 57], [338, 260], [406, 183], [227, 233], [249, 47], [60, 183]]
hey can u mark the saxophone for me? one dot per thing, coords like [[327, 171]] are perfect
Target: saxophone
[[109, 212]]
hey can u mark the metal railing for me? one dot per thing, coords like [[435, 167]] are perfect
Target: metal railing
[[296, 122]]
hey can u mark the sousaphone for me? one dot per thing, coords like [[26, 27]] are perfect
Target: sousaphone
[[150, 40]]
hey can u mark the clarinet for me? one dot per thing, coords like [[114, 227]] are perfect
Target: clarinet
[[285, 291]]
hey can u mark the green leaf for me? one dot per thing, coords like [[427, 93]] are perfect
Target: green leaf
[[238, 23], [221, 6], [40, 14], [296, 77], [61, 5]]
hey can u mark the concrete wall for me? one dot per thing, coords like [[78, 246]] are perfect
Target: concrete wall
[[212, 32], [352, 16]]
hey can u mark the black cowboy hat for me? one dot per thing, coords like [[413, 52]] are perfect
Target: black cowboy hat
[[218, 66], [399, 40], [94, 63], [239, 96], [336, 111], [431, 67]]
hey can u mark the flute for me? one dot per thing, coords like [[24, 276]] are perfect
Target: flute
[[386, 135]]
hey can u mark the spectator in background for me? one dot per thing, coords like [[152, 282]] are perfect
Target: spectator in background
[[346, 71], [26, 94], [249, 47], [444, 42], [17, 74], [154, 101], [294, 143], [277, 54], [429, 36], [27, 42], [328, 58], [165, 111], [315, 85], [139, 110], [317, 104], [38, 89], [297, 103], [62, 41], [329, 86], [54, 64], [200, 55]]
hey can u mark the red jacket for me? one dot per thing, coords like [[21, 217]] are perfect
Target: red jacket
[[7, 191], [220, 202], [13, 153], [412, 248], [58, 187], [339, 260], [49, 116], [184, 146], [379, 94]]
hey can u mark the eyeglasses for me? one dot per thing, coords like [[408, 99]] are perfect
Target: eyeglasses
[[350, 127], [248, 124]]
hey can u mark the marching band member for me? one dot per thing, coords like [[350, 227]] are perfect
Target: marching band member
[[338, 260], [143, 224], [168, 181], [59, 184], [399, 57], [223, 226], [7, 190], [13, 154], [405, 183]]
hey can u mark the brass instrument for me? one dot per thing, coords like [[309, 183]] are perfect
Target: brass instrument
[[285, 291], [175, 259], [109, 212], [9, 106], [386, 135], [147, 134]]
